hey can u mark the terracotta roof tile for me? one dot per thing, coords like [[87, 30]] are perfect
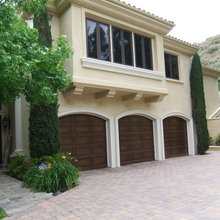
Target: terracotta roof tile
[[211, 68], [184, 42]]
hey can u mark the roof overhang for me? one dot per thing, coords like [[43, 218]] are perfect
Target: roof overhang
[[119, 10], [209, 71], [179, 46]]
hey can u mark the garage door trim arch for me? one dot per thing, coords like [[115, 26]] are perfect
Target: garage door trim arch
[[156, 132], [111, 161], [190, 131]]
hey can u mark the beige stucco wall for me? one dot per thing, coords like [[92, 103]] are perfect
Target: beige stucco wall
[[72, 24], [212, 98], [214, 127]]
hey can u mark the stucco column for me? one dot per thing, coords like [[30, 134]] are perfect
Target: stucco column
[[158, 140], [18, 128]]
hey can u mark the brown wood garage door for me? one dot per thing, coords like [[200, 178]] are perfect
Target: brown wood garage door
[[136, 139], [85, 137], [175, 137]]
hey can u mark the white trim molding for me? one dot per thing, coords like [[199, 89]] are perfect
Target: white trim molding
[[18, 128], [119, 68], [110, 134], [190, 131], [216, 114], [156, 132]]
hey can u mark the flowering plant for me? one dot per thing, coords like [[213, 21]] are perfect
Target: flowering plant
[[44, 166]]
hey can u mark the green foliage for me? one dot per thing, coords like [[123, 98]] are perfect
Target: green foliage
[[217, 140], [18, 166], [54, 158], [33, 6], [198, 105], [44, 136], [41, 23], [27, 67], [2, 213], [61, 176], [49, 74]]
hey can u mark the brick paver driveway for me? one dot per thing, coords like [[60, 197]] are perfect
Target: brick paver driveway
[[177, 188]]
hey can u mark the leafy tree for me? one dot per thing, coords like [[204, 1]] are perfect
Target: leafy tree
[[44, 138], [198, 105], [29, 65], [24, 62]]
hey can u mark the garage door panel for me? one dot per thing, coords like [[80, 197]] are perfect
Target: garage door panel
[[98, 149], [83, 151], [125, 157], [99, 160], [85, 136], [98, 139], [134, 145], [80, 140], [81, 129], [175, 137], [98, 129], [124, 147], [66, 141], [179, 141]]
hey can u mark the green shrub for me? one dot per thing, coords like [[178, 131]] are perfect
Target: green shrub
[[18, 166], [54, 158], [198, 105], [60, 175], [2, 213], [44, 137], [217, 140]]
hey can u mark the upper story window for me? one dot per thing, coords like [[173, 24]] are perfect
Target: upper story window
[[122, 46], [171, 66], [143, 52], [98, 44]]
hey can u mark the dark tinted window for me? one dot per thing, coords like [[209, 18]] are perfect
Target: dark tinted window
[[116, 34], [171, 66], [128, 48], [98, 45], [104, 40], [148, 53], [91, 39], [122, 46], [138, 51], [143, 52]]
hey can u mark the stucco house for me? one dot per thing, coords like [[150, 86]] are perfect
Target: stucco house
[[130, 97]]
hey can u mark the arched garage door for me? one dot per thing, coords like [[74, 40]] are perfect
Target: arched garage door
[[175, 137], [85, 137], [136, 139]]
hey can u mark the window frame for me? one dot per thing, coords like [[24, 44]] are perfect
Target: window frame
[[98, 40], [172, 74], [132, 46]]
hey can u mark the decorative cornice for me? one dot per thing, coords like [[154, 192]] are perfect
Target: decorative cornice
[[209, 71], [119, 10], [180, 46]]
